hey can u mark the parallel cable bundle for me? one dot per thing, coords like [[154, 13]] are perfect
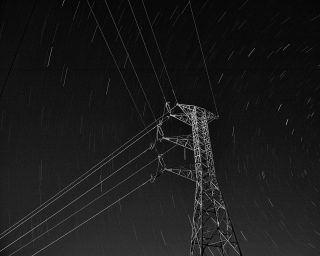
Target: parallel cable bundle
[[111, 156], [87, 205], [84, 176], [80, 179]]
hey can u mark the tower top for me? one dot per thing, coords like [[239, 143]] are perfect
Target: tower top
[[187, 110]]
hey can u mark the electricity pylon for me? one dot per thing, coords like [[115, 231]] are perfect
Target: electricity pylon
[[212, 230]]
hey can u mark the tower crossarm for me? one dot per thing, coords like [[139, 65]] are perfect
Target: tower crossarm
[[185, 114], [188, 109], [182, 140], [185, 173], [182, 117]]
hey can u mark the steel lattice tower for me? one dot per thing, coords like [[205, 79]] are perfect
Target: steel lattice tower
[[212, 230]]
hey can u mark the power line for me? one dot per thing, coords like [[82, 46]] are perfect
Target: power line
[[128, 55], [77, 198], [145, 46], [92, 217], [72, 184], [84, 176], [204, 60], [74, 213], [115, 62], [163, 63], [88, 204]]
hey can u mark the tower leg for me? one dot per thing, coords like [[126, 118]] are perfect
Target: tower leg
[[212, 232]]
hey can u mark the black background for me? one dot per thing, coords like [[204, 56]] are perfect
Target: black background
[[59, 117]]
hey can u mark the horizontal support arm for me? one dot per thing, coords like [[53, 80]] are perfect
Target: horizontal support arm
[[183, 141], [185, 173]]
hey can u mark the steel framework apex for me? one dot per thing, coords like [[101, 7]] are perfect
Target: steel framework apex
[[212, 230]]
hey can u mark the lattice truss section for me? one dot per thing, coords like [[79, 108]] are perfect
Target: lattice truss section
[[212, 230]]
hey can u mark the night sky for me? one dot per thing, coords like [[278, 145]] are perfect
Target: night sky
[[64, 107]]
